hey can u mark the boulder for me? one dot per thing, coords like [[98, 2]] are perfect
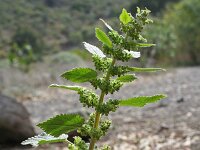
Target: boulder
[[15, 125]]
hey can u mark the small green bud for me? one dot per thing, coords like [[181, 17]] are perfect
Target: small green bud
[[109, 106], [79, 144], [108, 86], [105, 147], [105, 125], [88, 98], [122, 55], [85, 130], [101, 64], [116, 38], [119, 70]]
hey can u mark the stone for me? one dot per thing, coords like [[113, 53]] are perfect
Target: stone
[[15, 125]]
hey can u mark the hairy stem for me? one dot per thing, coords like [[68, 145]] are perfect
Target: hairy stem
[[98, 114]]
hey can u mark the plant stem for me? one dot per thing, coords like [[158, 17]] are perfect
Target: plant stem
[[98, 114]]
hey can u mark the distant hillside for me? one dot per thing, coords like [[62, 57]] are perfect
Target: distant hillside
[[59, 23]]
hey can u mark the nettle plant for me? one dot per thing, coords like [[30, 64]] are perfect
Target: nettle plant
[[108, 77]]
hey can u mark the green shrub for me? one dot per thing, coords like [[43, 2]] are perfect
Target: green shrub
[[161, 34], [156, 6], [26, 48], [176, 35], [28, 36], [23, 56], [184, 18], [75, 35], [2, 54]]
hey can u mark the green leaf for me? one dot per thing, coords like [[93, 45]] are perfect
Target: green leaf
[[127, 78], [141, 100], [74, 88], [124, 17], [101, 36], [80, 75], [135, 69], [62, 124], [144, 45], [44, 138]]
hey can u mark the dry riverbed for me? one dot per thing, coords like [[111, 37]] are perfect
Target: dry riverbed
[[171, 124]]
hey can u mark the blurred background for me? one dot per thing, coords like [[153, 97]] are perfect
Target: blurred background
[[40, 39]]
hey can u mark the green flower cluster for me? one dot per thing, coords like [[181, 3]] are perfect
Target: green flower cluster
[[136, 25], [101, 64], [105, 147], [117, 53], [88, 98], [95, 133], [107, 86], [119, 70], [79, 144], [107, 107]]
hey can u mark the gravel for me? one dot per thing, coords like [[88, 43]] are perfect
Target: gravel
[[171, 124]]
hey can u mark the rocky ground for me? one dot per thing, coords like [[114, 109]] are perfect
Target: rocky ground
[[171, 124]]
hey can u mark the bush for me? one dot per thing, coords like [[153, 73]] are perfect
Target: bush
[[156, 6], [26, 47], [27, 36], [160, 33], [184, 17], [23, 56], [176, 35]]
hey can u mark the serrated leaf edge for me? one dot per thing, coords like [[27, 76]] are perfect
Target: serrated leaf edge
[[39, 124]]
